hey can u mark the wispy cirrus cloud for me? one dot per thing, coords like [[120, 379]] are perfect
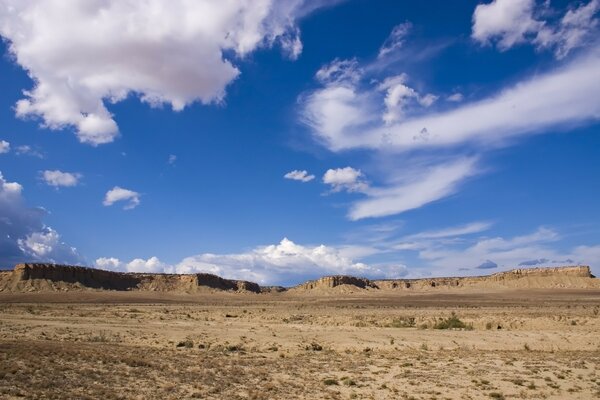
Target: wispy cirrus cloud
[[355, 107]]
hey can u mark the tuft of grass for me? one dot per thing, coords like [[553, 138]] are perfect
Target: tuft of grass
[[402, 322], [452, 322], [496, 395], [188, 344], [330, 382], [314, 347]]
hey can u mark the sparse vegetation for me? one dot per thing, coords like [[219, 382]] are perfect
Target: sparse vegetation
[[452, 322]]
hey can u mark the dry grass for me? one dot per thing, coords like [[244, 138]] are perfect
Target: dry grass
[[311, 348]]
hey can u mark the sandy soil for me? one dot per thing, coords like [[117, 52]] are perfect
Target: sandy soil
[[506, 344]]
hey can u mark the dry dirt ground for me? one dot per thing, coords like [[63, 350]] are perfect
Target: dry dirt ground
[[93, 345]]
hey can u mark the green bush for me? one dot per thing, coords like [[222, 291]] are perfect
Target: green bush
[[452, 322]]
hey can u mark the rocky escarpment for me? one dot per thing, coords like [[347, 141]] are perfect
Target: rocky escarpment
[[51, 277], [330, 282], [552, 277]]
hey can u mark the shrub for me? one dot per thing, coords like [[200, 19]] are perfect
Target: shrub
[[188, 344], [452, 322], [402, 322], [330, 381]]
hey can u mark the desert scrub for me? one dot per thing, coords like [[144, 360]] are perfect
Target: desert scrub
[[314, 347], [330, 382], [402, 322], [188, 344], [452, 322]]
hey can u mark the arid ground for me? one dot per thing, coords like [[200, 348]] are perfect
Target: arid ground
[[448, 345]]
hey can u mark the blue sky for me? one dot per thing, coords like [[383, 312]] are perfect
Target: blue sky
[[281, 141]]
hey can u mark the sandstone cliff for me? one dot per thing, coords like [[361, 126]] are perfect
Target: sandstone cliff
[[557, 277], [51, 277]]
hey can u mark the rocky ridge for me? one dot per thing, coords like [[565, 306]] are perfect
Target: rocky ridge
[[51, 277]]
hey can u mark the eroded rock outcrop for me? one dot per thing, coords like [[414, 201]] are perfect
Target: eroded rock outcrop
[[51, 277], [550, 277], [329, 282]]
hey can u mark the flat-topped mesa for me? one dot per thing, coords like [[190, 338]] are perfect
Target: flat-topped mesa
[[544, 277], [581, 271], [328, 282], [52, 277]]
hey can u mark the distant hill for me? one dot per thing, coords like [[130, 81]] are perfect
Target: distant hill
[[52, 277]]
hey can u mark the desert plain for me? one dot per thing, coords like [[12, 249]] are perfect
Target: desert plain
[[340, 343]]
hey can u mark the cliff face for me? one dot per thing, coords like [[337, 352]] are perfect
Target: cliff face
[[329, 282], [554, 277], [50, 277]]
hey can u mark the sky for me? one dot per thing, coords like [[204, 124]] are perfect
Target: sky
[[279, 141]]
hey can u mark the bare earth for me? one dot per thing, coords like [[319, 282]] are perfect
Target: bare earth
[[136, 345]]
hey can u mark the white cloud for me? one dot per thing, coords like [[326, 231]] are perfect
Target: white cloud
[[348, 178], [399, 96], [511, 22], [58, 178], [85, 54], [505, 252], [455, 97], [172, 159], [282, 263], [334, 112], [23, 235], [151, 265], [577, 28], [339, 72], [356, 109], [508, 21], [298, 175], [467, 229], [396, 39], [117, 194], [565, 96], [4, 147], [29, 151], [414, 190]]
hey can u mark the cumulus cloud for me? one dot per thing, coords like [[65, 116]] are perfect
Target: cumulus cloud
[[4, 146], [348, 178], [117, 194], [58, 178], [399, 96], [82, 56], [277, 264], [24, 236], [511, 22], [396, 39], [507, 21], [297, 175], [151, 265]]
